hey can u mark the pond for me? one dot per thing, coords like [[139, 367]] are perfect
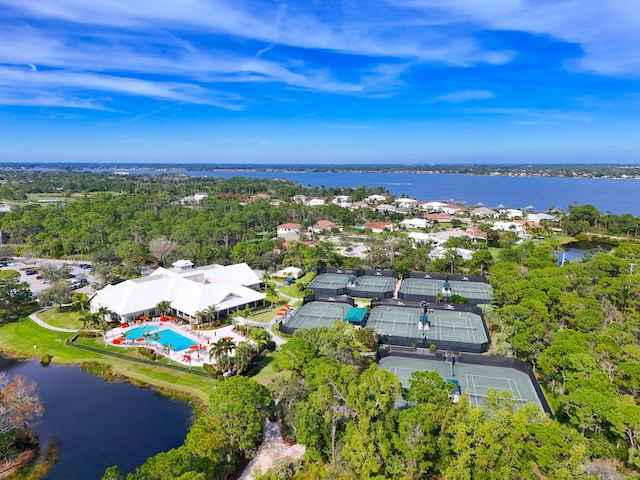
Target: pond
[[576, 250], [98, 423]]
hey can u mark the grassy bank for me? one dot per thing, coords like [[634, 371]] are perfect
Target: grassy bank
[[28, 340]]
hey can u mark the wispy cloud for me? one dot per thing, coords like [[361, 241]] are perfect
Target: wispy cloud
[[459, 96], [534, 114]]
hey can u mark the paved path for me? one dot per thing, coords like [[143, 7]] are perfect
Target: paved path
[[266, 325], [271, 450], [34, 316]]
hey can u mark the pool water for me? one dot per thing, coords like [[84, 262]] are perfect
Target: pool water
[[165, 337], [177, 341]]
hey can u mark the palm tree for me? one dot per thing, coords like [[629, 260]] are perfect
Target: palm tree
[[80, 299], [211, 311], [102, 312], [200, 314], [169, 347], [222, 346], [245, 353], [163, 307], [88, 320]]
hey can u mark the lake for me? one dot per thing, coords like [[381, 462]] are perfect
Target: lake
[[99, 424], [607, 194]]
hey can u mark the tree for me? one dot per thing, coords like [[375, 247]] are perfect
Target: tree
[[222, 346], [81, 300], [53, 272], [482, 260], [58, 293], [295, 355], [13, 294], [163, 307], [161, 247]]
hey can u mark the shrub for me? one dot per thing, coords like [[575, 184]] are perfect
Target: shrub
[[433, 347], [458, 299], [210, 369]]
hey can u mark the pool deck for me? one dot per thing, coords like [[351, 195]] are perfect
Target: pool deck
[[198, 357]]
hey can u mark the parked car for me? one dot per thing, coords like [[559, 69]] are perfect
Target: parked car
[[31, 272], [38, 277]]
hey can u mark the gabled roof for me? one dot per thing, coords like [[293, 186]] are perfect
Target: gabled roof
[[188, 291], [290, 226]]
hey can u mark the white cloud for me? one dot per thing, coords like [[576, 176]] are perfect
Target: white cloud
[[464, 96]]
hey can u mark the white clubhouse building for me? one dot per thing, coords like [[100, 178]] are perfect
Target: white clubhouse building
[[188, 290]]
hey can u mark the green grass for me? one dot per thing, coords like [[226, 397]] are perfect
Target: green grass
[[63, 317], [19, 338], [292, 291], [265, 317], [267, 374]]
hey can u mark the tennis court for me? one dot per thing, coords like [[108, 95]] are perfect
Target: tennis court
[[444, 325], [329, 282], [368, 286], [318, 314], [430, 288], [475, 380]]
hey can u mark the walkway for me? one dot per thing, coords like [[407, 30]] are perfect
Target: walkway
[[271, 450], [34, 316]]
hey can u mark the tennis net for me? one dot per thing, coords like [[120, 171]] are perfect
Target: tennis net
[[457, 327]]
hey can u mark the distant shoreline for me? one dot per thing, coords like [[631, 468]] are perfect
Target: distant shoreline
[[595, 171]]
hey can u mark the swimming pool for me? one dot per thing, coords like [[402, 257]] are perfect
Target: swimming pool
[[165, 337]]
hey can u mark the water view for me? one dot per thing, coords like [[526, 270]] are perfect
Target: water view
[[99, 424]]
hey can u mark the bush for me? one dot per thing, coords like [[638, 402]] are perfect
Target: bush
[[87, 334], [46, 359], [150, 354], [433, 347], [458, 299], [210, 369]]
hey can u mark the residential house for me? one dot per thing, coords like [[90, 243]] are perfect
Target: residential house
[[375, 199], [288, 228], [324, 226], [379, 227], [316, 202], [415, 223], [483, 212]]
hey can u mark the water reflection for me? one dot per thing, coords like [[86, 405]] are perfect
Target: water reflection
[[100, 424]]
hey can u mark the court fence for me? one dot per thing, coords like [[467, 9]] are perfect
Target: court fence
[[472, 359], [329, 298], [444, 276], [358, 273], [398, 340]]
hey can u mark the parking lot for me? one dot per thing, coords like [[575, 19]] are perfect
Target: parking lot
[[37, 284]]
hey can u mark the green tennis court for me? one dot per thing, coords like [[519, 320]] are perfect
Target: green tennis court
[[329, 281], [374, 284], [475, 380], [431, 288], [447, 325], [318, 314]]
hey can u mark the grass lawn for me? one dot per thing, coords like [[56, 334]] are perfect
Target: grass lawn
[[63, 317], [267, 374], [292, 291], [266, 316], [19, 338]]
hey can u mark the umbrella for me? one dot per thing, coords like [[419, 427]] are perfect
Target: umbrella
[[163, 319], [288, 306], [227, 338], [194, 347], [143, 317], [187, 357], [140, 339], [173, 319], [279, 314]]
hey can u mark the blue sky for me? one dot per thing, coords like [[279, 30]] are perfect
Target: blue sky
[[397, 81]]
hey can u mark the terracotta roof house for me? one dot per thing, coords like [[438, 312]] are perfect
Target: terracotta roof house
[[289, 227], [379, 227], [438, 217], [324, 226]]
